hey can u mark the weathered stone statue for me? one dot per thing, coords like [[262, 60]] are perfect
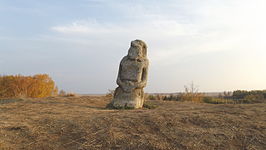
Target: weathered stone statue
[[132, 77]]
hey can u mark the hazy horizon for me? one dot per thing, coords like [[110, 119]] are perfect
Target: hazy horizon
[[219, 45]]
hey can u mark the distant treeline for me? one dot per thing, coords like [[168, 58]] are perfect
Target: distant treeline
[[256, 94], [238, 96], [40, 85]]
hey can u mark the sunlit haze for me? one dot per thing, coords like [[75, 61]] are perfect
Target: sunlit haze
[[219, 45]]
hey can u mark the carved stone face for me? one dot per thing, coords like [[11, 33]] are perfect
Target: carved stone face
[[135, 50]]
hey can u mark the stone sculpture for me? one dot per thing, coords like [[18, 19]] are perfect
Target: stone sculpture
[[132, 77]]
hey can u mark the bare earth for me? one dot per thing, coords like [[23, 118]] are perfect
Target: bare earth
[[79, 123]]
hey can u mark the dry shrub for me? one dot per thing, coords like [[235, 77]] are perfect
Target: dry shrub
[[150, 97], [146, 96], [62, 93], [159, 97], [71, 95], [65, 94], [191, 94], [254, 98], [192, 97], [154, 97], [110, 94]]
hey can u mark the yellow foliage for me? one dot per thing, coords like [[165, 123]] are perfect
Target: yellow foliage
[[40, 85]]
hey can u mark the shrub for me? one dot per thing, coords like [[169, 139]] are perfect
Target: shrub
[[71, 95], [172, 97], [253, 97], [213, 100], [151, 97], [192, 97], [154, 96], [110, 94], [191, 94], [40, 85], [149, 105], [62, 93]]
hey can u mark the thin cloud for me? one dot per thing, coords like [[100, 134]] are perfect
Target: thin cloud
[[160, 33], [183, 37], [73, 28], [166, 27]]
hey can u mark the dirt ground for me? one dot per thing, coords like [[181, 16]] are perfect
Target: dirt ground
[[83, 123]]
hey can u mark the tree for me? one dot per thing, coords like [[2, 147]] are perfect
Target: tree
[[191, 93], [40, 85]]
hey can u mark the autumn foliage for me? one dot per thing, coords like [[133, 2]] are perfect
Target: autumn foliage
[[40, 85]]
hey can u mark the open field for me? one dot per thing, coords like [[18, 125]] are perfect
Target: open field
[[79, 123]]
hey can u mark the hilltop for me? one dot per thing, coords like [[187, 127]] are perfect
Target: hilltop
[[84, 123]]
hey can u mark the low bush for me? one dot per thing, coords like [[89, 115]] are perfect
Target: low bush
[[172, 97], [110, 94], [213, 100], [154, 97], [149, 105]]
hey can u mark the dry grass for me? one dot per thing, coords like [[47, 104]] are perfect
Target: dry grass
[[79, 123]]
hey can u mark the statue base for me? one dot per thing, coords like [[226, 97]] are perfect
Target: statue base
[[133, 99]]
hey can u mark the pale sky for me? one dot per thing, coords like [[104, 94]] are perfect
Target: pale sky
[[220, 45]]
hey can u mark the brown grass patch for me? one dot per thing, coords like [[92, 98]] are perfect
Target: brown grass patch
[[84, 123]]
